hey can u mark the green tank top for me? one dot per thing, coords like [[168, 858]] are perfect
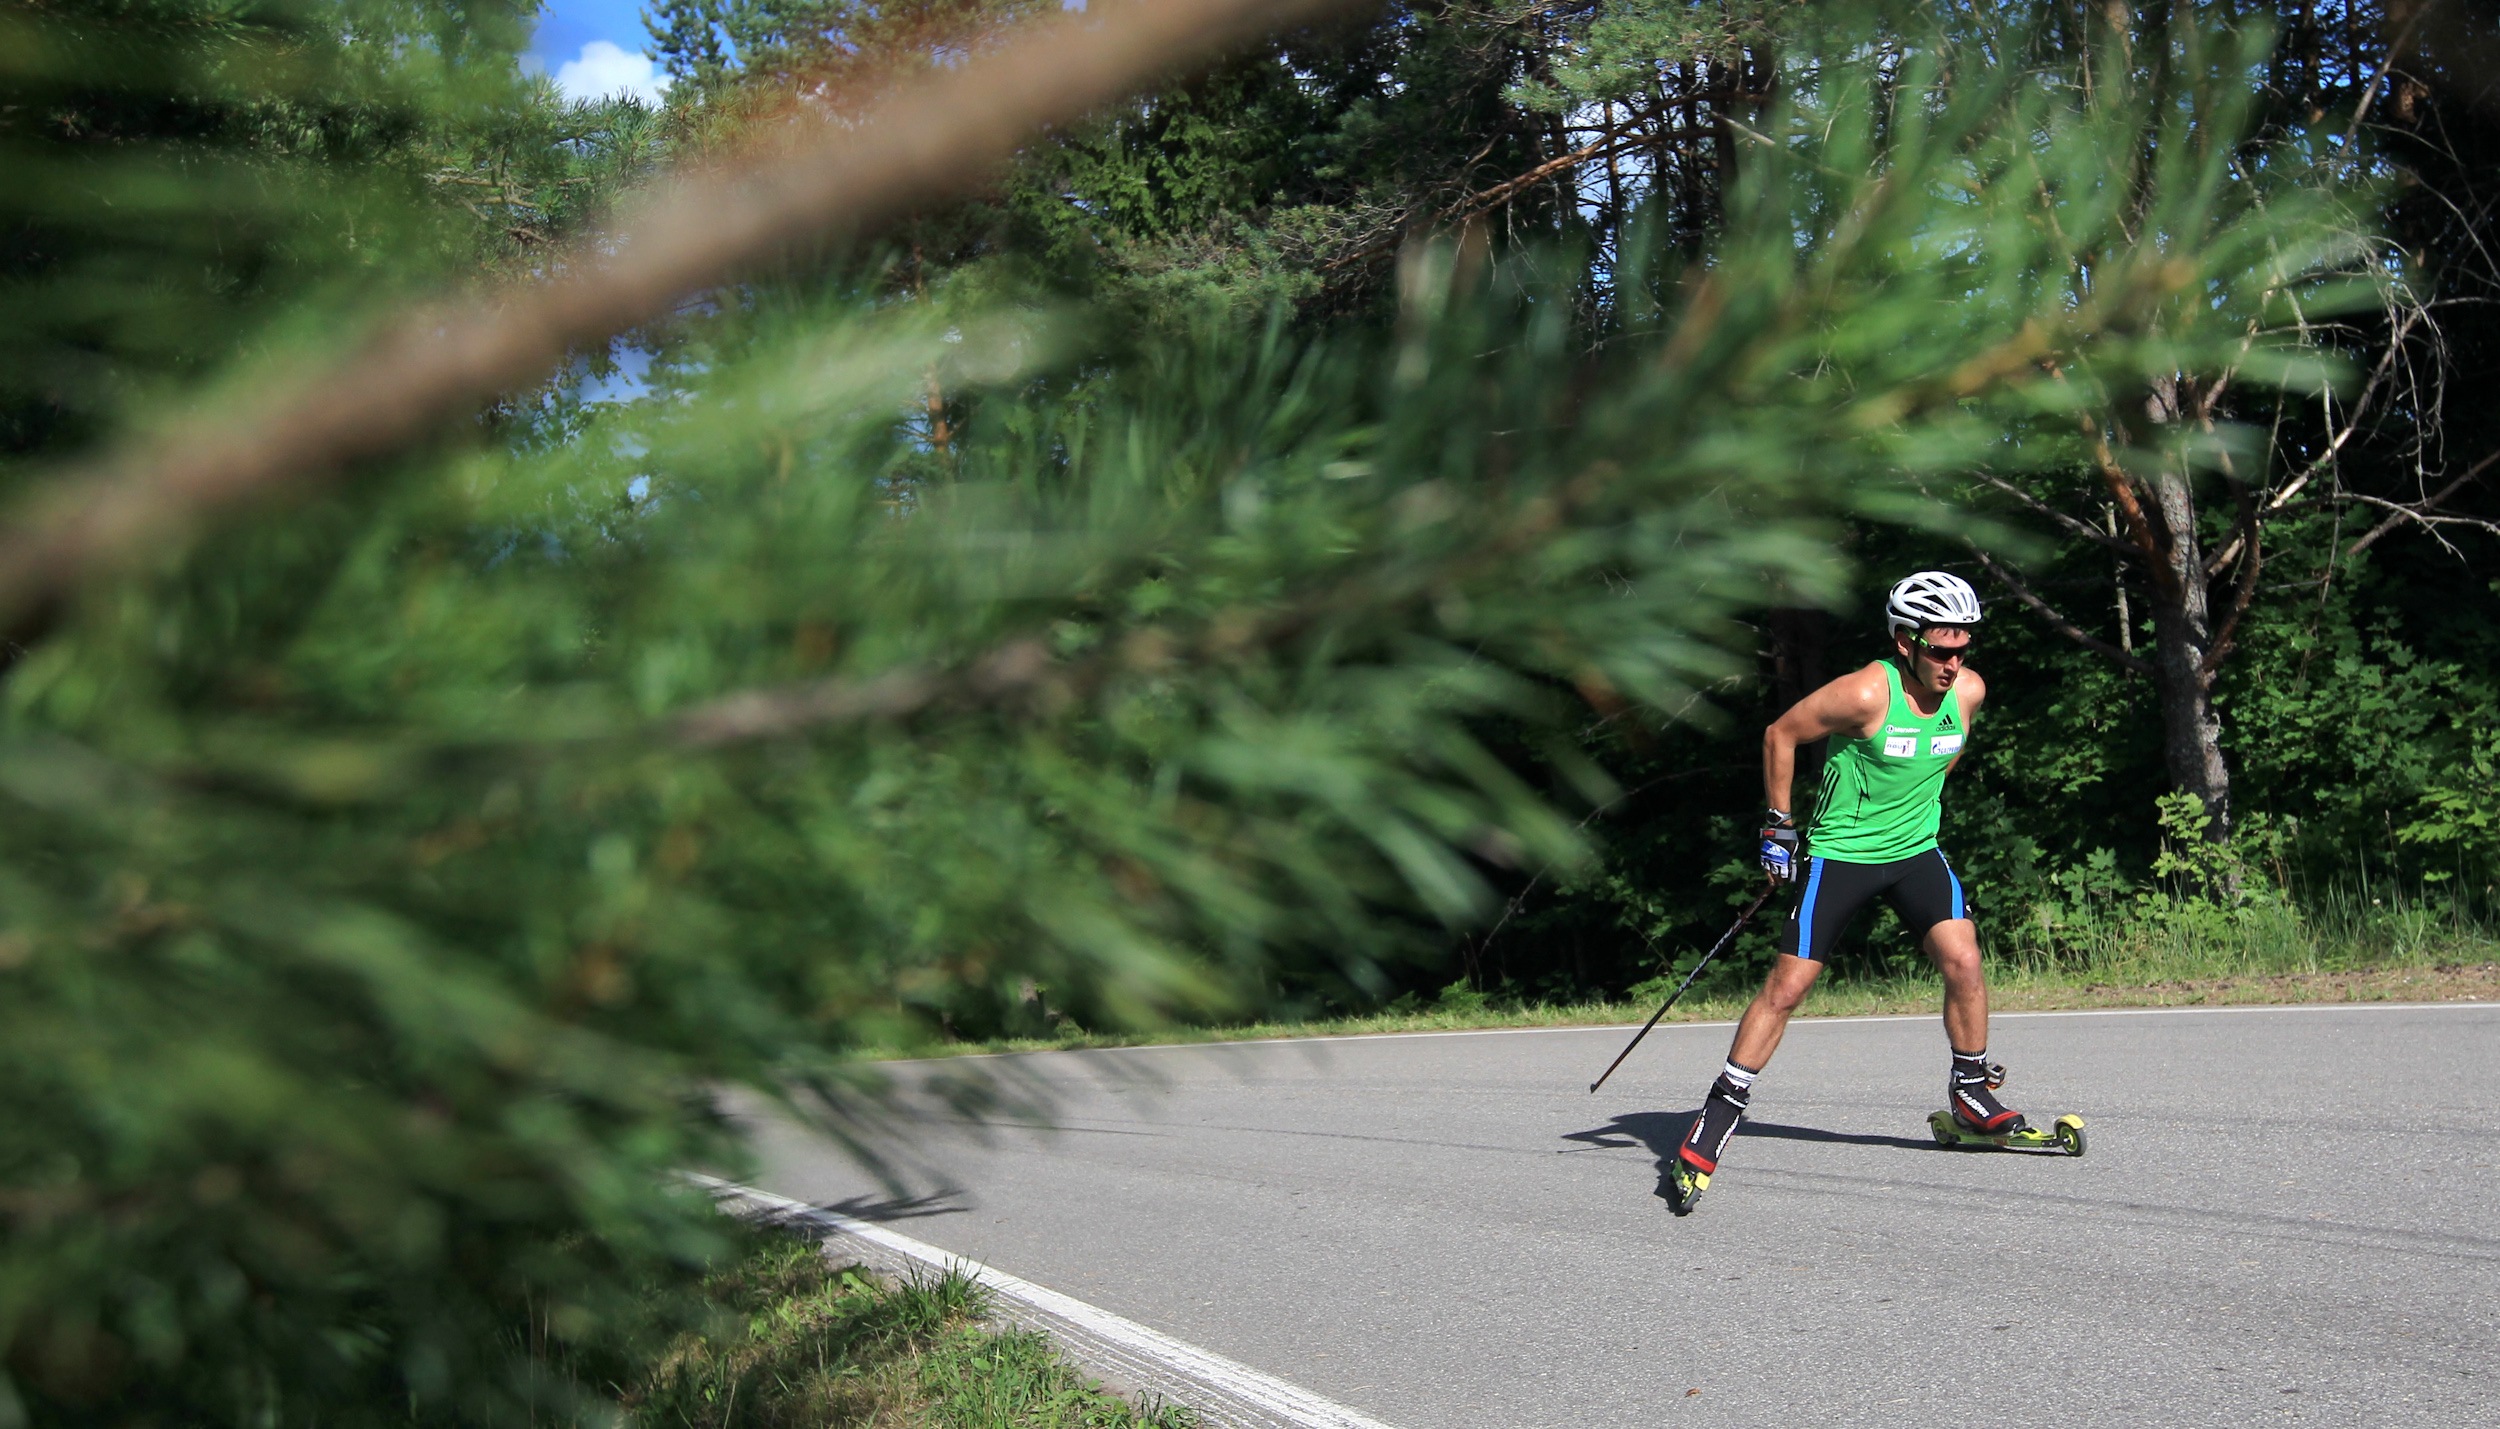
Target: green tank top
[[1883, 796]]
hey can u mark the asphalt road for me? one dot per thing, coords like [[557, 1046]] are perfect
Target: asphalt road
[[2286, 1214]]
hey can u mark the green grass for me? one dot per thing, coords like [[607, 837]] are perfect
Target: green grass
[[803, 1343], [2145, 952]]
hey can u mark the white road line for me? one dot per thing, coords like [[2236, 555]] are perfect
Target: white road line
[[1274, 1400]]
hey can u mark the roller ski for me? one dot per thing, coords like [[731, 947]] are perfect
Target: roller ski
[[1974, 1117], [1685, 1183]]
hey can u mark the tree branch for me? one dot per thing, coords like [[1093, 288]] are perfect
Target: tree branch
[[940, 135], [2335, 444], [2122, 491], [2429, 521], [2402, 514], [2085, 529], [2058, 622], [2244, 590], [1485, 200]]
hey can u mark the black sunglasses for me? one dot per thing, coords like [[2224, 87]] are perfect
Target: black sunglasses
[[1942, 654]]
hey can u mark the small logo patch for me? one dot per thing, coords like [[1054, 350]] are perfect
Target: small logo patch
[[1901, 748], [1945, 744]]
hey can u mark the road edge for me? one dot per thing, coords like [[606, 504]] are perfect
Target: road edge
[[1223, 1393]]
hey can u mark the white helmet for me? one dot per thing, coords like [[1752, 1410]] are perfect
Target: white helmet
[[1930, 598]]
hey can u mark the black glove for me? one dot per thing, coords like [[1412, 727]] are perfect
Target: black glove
[[1779, 846]]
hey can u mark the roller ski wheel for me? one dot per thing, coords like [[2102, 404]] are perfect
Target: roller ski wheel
[[2062, 1138], [1685, 1184]]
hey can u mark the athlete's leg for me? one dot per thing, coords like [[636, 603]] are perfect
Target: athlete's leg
[[1830, 896], [1832, 893], [1929, 894], [1954, 947], [1954, 944], [1766, 1018]]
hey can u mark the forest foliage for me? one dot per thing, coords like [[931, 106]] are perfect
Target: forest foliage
[[1356, 496]]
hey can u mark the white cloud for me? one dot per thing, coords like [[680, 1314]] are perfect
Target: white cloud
[[604, 69]]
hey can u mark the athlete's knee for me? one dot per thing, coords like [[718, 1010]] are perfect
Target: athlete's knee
[[1956, 951], [1786, 988]]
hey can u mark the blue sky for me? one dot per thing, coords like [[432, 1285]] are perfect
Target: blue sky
[[595, 47]]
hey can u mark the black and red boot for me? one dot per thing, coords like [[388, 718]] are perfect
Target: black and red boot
[[1697, 1160], [1970, 1093]]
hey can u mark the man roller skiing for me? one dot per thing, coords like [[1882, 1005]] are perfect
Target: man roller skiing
[[1897, 727]]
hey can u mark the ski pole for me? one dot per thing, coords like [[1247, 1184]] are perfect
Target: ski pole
[[1724, 939]]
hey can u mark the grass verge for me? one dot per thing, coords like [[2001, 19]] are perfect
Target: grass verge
[[803, 1343], [2160, 955]]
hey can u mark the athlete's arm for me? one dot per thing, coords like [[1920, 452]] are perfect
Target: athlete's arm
[[1852, 704]]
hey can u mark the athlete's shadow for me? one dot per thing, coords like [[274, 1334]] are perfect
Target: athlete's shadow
[[1663, 1131]]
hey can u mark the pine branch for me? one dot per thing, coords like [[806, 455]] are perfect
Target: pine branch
[[940, 135], [1023, 669]]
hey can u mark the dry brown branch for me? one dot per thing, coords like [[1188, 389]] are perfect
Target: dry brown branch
[[2057, 620], [943, 134], [2409, 513], [2034, 504], [2358, 408], [2370, 91], [2429, 521], [1484, 201], [2122, 491], [1013, 668], [2243, 593]]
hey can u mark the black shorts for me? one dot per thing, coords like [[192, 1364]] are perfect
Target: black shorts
[[1922, 889]]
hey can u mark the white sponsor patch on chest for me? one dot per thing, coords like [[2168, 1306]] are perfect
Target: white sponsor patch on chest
[[1945, 744], [1900, 748]]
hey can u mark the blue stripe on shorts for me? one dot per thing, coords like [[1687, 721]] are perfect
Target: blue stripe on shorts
[[1805, 908]]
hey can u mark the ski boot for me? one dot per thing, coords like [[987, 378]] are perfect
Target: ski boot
[[1974, 1117], [1693, 1163]]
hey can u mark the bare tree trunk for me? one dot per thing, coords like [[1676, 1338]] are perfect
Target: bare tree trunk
[[2183, 626], [2183, 634]]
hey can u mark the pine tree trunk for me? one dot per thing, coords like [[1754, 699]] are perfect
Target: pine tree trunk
[[2183, 631]]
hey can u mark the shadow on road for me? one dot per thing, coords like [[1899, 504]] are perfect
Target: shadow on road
[[1663, 1131], [1847, 1138], [878, 1209], [1660, 1131]]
